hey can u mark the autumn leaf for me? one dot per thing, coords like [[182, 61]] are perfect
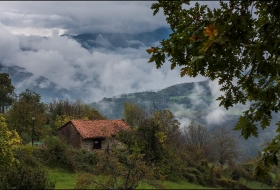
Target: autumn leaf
[[210, 31], [193, 38], [152, 49]]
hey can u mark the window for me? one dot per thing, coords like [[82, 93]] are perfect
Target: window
[[97, 144]]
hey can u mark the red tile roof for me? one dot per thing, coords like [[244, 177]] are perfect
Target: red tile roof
[[98, 128]]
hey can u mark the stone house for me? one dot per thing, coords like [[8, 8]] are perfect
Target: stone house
[[92, 134]]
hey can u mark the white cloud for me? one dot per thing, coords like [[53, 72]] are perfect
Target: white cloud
[[97, 73], [100, 72], [79, 17]]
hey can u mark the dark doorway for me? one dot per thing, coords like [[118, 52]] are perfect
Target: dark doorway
[[96, 144]]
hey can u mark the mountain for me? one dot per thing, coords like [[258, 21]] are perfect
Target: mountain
[[22, 80], [34, 46], [120, 40], [186, 100], [189, 102]]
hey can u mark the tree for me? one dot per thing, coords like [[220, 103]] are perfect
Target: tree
[[19, 117], [8, 141], [134, 114], [156, 135], [197, 137], [6, 92], [238, 44], [61, 111], [123, 169], [225, 146]]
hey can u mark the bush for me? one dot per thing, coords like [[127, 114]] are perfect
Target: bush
[[268, 180], [217, 172], [277, 181], [84, 160], [25, 154], [195, 176], [236, 173], [56, 154], [24, 177], [190, 177], [83, 181], [229, 183]]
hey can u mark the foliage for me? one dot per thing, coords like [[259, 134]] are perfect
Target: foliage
[[276, 184], [225, 148], [236, 46], [83, 181], [27, 155], [133, 114], [24, 177], [157, 136], [62, 119], [56, 154], [123, 169], [84, 160], [27, 173], [229, 183], [19, 117], [197, 138], [62, 111], [195, 176], [6, 92], [8, 141]]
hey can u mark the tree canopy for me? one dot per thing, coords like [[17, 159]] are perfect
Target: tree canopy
[[6, 91], [8, 141], [237, 44], [19, 117]]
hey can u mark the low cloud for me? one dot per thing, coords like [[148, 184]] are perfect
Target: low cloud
[[95, 74]]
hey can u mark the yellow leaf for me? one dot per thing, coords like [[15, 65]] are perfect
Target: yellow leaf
[[151, 50], [210, 31]]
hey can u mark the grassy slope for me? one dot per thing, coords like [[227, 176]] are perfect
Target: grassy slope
[[66, 180]]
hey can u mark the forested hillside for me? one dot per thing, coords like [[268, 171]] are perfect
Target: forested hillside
[[189, 102]]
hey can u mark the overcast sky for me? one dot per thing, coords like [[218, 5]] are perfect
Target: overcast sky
[[65, 62]]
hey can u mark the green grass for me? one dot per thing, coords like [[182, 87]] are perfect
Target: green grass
[[66, 180], [182, 185], [63, 179]]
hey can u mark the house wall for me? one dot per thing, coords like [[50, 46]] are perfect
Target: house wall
[[105, 143], [110, 142], [72, 136], [87, 144]]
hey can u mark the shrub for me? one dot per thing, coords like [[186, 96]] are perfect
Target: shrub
[[84, 160], [277, 182], [83, 181], [25, 154], [195, 176], [268, 180], [236, 173], [57, 154], [217, 172], [190, 177], [229, 183], [24, 177]]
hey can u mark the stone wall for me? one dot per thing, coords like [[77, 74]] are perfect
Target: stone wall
[[110, 142], [87, 144]]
